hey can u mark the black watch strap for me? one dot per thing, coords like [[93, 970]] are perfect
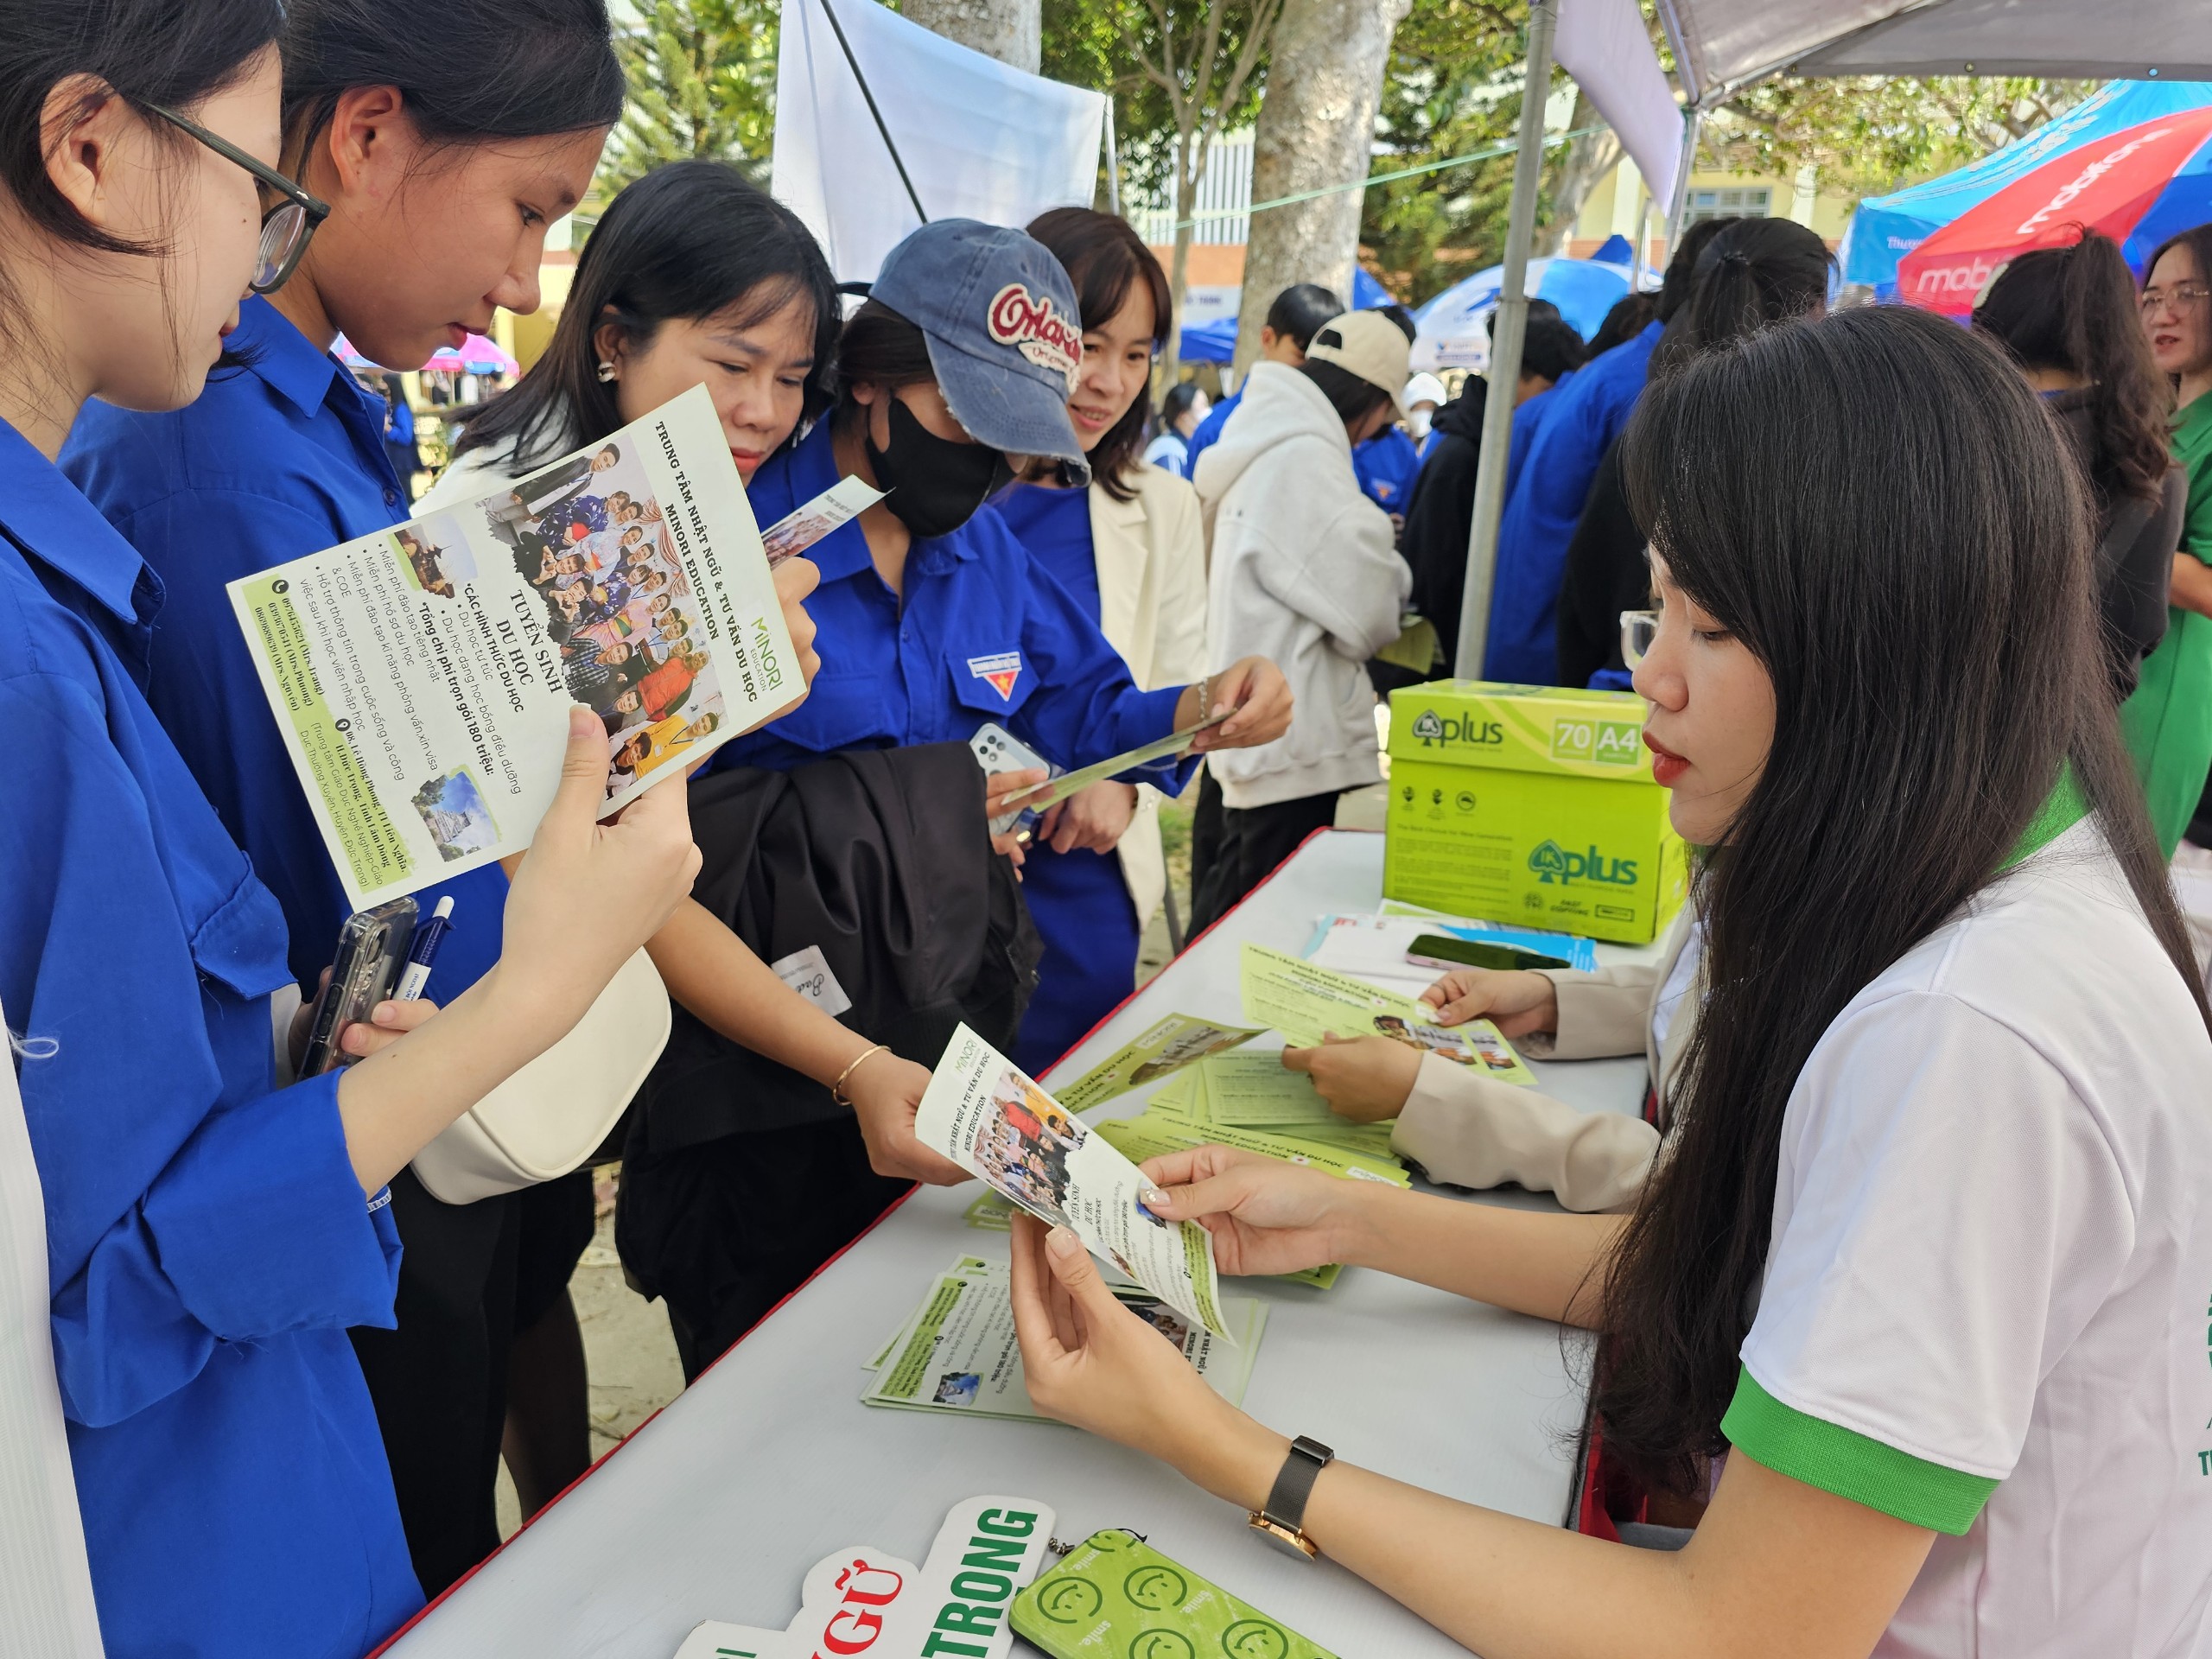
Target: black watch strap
[[1285, 1504]]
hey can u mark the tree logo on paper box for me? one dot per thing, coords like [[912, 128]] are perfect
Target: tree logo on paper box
[[1435, 730], [1550, 862]]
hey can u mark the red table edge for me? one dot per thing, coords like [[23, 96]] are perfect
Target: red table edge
[[433, 1604]]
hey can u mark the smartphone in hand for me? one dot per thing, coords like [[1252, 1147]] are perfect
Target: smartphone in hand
[[372, 955]]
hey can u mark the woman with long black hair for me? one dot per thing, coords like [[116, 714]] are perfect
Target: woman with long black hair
[[211, 1235], [1917, 1299], [2068, 318]]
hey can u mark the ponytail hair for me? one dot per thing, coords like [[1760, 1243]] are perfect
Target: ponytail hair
[[467, 71], [1753, 274], [2073, 310]]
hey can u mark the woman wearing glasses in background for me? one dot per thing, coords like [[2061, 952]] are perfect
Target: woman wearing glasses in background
[[210, 1236], [445, 137], [2169, 720]]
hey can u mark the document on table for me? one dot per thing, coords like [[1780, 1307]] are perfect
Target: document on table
[[422, 676], [1172, 1043], [980, 1111], [1308, 1004], [958, 1352]]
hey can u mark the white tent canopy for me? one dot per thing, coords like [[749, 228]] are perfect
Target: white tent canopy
[[1722, 45]]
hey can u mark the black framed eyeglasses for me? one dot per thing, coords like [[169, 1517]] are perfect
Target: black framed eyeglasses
[[285, 228]]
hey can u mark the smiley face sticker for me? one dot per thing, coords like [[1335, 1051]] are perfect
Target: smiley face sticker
[[1155, 1587], [1162, 1644]]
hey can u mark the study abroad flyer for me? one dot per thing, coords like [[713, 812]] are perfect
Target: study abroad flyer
[[1309, 1004], [981, 1112], [422, 676]]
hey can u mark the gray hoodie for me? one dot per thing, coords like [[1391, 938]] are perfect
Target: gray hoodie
[[1303, 572]]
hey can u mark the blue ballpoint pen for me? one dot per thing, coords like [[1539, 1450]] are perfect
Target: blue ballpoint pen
[[422, 954]]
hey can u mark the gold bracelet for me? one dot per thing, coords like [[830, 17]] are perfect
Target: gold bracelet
[[837, 1089]]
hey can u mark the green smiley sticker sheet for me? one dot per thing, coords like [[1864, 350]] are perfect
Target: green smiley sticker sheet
[[1114, 1594]]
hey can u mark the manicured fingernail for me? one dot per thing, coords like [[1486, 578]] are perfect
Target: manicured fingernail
[[1062, 1243], [1153, 1198]]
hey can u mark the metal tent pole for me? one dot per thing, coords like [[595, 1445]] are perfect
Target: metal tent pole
[[846, 46], [1505, 345], [1693, 124]]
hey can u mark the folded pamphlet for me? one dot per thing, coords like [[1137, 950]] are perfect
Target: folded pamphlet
[[1247, 1090], [1069, 783], [959, 1351], [1307, 1003], [1168, 1046], [980, 1111], [803, 526], [422, 676]]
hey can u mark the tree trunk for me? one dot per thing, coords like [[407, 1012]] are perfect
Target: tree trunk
[[1316, 129], [1584, 162], [1010, 30], [1179, 269]]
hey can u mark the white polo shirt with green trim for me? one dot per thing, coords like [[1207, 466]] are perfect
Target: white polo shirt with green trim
[[1987, 1295]]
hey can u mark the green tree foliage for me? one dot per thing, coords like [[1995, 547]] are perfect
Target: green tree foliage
[[1869, 134], [1452, 88], [702, 82]]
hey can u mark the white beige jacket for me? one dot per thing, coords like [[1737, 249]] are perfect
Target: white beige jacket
[[1152, 608], [1466, 1130]]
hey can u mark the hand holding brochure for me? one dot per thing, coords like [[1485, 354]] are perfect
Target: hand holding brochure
[[1308, 1004], [1058, 789], [803, 526], [422, 676], [982, 1113], [1174, 1042]]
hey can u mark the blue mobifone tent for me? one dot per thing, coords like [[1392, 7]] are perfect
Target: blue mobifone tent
[[1451, 326], [1886, 228]]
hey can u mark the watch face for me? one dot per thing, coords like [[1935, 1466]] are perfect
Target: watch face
[[1290, 1543]]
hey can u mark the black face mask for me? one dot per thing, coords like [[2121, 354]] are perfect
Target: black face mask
[[936, 485]]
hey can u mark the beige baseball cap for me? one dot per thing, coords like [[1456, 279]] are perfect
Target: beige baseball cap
[[1369, 345]]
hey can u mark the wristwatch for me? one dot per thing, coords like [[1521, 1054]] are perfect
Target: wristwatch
[[1282, 1521]]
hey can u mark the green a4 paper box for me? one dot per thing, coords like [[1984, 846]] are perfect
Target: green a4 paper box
[[1529, 803]]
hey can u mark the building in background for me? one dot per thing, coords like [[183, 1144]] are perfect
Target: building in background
[[1615, 207]]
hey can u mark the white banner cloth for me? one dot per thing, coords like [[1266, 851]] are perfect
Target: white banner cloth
[[979, 140], [46, 1585], [1602, 44]]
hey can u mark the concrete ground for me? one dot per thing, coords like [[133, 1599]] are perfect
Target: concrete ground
[[627, 1347]]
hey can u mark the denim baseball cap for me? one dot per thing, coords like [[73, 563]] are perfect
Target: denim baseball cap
[[1005, 338]]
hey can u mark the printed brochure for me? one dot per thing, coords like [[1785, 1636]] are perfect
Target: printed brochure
[[1307, 1003], [1247, 1090], [803, 526], [959, 1353], [1058, 789], [1176, 1041], [422, 676], [983, 1113]]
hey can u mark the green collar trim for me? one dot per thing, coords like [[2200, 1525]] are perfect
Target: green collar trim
[[1852, 1466], [2063, 808]]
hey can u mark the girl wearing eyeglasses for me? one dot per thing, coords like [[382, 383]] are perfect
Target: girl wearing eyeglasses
[[210, 1236], [2169, 720], [428, 145]]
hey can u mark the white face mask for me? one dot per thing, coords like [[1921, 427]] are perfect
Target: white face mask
[[1417, 423]]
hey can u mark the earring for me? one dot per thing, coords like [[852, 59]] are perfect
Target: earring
[[605, 372]]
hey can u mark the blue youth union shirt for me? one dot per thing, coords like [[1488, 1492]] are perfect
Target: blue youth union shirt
[[1209, 431], [1387, 464], [1546, 485], [985, 634], [280, 459], [207, 1243]]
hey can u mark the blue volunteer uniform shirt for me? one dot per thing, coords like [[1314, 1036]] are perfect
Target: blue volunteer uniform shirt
[[280, 459], [207, 1243], [1386, 466], [1209, 431], [985, 634], [1078, 899], [1548, 482]]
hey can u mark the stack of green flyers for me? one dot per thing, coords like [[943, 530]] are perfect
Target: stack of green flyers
[[957, 1352], [1250, 1090]]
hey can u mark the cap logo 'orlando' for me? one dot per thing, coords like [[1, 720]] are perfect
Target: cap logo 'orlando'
[[1029, 323]]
